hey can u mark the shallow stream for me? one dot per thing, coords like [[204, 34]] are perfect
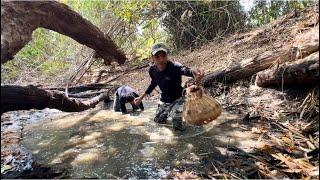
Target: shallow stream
[[100, 143]]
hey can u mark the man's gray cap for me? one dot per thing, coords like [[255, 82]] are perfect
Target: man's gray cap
[[158, 47]]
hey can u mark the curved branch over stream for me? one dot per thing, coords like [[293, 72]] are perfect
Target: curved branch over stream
[[20, 18]]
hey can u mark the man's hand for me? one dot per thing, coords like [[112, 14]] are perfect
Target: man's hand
[[198, 75], [137, 100]]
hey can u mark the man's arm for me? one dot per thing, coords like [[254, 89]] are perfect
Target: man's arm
[[197, 74], [151, 87], [153, 84], [138, 100], [186, 71]]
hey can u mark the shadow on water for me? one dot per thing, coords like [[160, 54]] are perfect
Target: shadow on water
[[103, 144]]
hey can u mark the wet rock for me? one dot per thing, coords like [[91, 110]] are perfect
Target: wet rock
[[38, 171]]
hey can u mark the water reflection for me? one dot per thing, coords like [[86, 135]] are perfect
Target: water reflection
[[100, 143]]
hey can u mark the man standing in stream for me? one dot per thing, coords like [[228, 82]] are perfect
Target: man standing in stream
[[168, 76]]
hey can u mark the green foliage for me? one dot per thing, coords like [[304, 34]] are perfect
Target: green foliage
[[127, 22], [139, 27], [51, 68], [192, 23], [92, 10], [47, 54], [33, 52], [129, 11], [265, 11], [9, 72]]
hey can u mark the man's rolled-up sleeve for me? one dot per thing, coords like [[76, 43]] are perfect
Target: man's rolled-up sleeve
[[186, 71]]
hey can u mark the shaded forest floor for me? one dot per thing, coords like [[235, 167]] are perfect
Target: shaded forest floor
[[285, 118]]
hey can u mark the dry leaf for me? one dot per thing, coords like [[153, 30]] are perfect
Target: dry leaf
[[258, 130]]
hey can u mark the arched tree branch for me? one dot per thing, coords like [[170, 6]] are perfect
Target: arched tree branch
[[20, 18]]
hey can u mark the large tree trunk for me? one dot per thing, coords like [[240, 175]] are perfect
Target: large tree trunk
[[302, 72], [31, 97], [253, 65], [20, 18]]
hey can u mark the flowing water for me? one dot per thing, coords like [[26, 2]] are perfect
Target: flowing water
[[100, 143]]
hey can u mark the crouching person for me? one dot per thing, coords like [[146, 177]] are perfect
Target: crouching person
[[123, 95]]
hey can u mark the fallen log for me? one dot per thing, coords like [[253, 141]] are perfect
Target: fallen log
[[87, 94], [123, 73], [31, 97], [20, 18], [84, 87], [302, 72], [100, 75], [248, 67]]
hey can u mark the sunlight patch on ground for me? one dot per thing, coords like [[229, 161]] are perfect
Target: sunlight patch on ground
[[45, 143], [87, 141], [112, 150], [92, 136], [67, 122], [148, 152], [86, 157], [225, 116], [104, 115], [74, 139], [118, 126], [164, 135], [68, 154]]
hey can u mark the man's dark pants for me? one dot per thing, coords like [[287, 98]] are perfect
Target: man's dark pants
[[170, 111]]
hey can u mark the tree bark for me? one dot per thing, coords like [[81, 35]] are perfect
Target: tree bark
[[81, 88], [248, 67], [31, 97], [87, 94], [20, 18], [98, 78], [302, 72], [121, 74]]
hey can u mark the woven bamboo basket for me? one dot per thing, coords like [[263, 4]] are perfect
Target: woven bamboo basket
[[200, 108]]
